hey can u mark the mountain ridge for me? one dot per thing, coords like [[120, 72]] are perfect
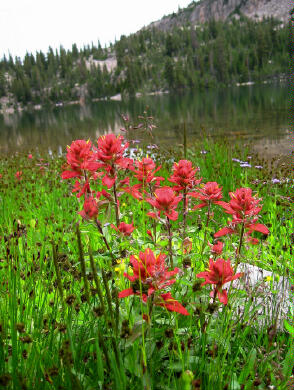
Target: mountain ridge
[[223, 10]]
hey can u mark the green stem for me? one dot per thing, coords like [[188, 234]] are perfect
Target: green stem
[[239, 247], [98, 224], [169, 242], [108, 299], [184, 213], [206, 225], [116, 204], [83, 264], [96, 280], [153, 221], [58, 277]]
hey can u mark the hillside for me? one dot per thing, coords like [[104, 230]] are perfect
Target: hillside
[[176, 53], [224, 10]]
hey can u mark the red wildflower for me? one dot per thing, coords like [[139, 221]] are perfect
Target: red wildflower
[[30, 156], [165, 201], [110, 149], [151, 272], [81, 189], [134, 191], [90, 209], [242, 204], [245, 209], [124, 228], [104, 193], [184, 175], [145, 173], [146, 170], [108, 181], [209, 193], [217, 248], [166, 300], [220, 272], [150, 234], [80, 157], [110, 152], [18, 175]]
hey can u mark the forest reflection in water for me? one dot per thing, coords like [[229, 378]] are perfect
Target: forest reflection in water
[[258, 113]]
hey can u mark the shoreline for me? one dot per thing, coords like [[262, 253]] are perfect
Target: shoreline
[[118, 97]]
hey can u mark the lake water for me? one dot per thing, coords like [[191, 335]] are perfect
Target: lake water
[[259, 113]]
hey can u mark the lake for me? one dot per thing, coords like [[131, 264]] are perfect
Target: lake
[[257, 113]]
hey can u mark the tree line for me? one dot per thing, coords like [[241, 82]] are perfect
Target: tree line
[[202, 56]]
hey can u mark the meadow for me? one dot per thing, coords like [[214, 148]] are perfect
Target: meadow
[[119, 268]]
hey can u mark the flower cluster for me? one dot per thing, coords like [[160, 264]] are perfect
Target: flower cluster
[[87, 163], [220, 272], [209, 193], [110, 153], [184, 176], [144, 171], [80, 159], [165, 201], [149, 276], [244, 209]]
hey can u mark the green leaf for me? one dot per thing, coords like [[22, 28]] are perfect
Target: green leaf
[[235, 383], [289, 327], [33, 223], [249, 366], [288, 362], [136, 332], [163, 243]]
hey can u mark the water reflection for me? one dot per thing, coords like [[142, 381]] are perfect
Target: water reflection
[[252, 112]]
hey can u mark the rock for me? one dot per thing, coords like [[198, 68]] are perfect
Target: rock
[[269, 293], [200, 12]]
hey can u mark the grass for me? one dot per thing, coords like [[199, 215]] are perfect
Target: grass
[[62, 325]]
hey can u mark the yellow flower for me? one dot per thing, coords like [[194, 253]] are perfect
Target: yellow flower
[[121, 266]]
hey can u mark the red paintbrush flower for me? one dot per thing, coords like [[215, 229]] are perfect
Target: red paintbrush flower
[[151, 273], [81, 189], [124, 228], [134, 191], [217, 248], [110, 149], [80, 158], [209, 193], [30, 156], [146, 170], [244, 209], [242, 204], [90, 208], [184, 175], [166, 202], [145, 173], [166, 300], [18, 175], [110, 153], [220, 272]]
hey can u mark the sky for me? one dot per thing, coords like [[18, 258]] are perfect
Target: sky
[[32, 25]]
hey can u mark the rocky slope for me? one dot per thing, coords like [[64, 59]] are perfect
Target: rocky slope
[[205, 10]]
